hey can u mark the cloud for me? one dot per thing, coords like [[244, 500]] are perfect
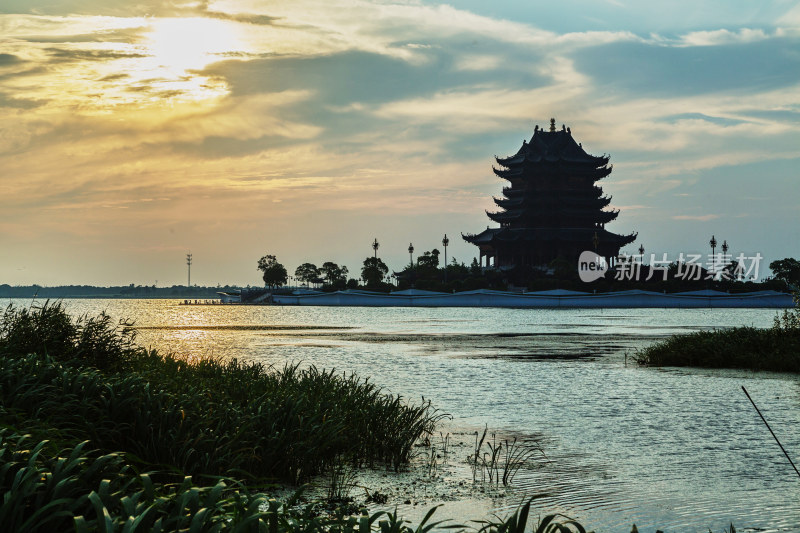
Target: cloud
[[635, 68], [723, 37], [373, 116], [699, 218], [91, 55], [8, 59]]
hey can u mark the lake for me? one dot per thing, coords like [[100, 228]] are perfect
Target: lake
[[676, 449]]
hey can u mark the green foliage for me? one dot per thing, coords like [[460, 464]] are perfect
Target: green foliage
[[274, 273], [48, 329], [751, 348], [207, 417], [789, 320], [518, 523], [776, 348], [81, 490]]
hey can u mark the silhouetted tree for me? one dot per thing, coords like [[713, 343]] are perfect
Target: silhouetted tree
[[274, 273], [334, 274], [373, 271], [787, 270], [429, 260], [307, 272]]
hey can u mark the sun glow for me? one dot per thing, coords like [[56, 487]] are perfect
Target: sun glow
[[183, 44]]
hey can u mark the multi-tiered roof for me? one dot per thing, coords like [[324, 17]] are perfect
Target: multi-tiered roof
[[552, 206]]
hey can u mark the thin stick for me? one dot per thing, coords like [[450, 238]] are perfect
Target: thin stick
[[770, 430]]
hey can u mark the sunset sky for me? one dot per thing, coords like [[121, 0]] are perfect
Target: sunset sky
[[134, 132]]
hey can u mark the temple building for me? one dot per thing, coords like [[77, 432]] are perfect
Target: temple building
[[552, 207]]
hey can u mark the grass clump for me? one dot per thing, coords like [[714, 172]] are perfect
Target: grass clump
[[776, 348], [86, 379], [745, 347]]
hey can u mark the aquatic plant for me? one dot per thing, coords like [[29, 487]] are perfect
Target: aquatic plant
[[789, 320], [511, 456], [776, 348], [341, 481], [745, 347], [518, 523], [204, 417], [86, 491]]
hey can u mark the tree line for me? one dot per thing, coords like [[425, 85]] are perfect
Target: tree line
[[426, 273]]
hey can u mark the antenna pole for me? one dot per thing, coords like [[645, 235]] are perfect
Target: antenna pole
[[770, 430]]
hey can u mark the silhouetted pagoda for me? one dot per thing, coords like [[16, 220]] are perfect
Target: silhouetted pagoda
[[551, 208]]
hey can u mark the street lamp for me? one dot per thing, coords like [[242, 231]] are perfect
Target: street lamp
[[724, 247], [445, 242], [641, 250], [713, 243], [375, 246], [410, 254]]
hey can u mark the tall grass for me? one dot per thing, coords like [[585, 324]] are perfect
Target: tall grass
[[749, 348], [776, 348], [87, 379]]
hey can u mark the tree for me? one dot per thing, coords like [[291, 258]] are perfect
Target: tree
[[429, 260], [475, 267], [787, 270], [333, 273], [307, 272], [373, 271], [274, 273]]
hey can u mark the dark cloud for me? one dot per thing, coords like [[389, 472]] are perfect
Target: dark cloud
[[117, 8], [215, 147], [7, 100], [114, 77], [784, 116], [9, 59], [343, 78], [348, 86], [246, 18], [722, 121], [61, 54], [22, 73], [650, 70]]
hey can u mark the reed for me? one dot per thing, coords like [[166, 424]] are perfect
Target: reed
[[503, 459], [774, 349], [203, 418]]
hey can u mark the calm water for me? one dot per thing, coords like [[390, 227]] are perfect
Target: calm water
[[676, 449]]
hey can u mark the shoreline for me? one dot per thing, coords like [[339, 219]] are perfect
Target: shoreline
[[557, 298]]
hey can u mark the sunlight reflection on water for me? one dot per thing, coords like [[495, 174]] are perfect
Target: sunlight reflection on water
[[676, 449]]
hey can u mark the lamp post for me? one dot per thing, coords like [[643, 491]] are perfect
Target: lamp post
[[445, 242], [411, 255], [375, 246], [189, 264], [713, 243], [725, 253], [641, 250]]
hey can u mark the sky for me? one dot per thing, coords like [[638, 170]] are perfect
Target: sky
[[135, 132]]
